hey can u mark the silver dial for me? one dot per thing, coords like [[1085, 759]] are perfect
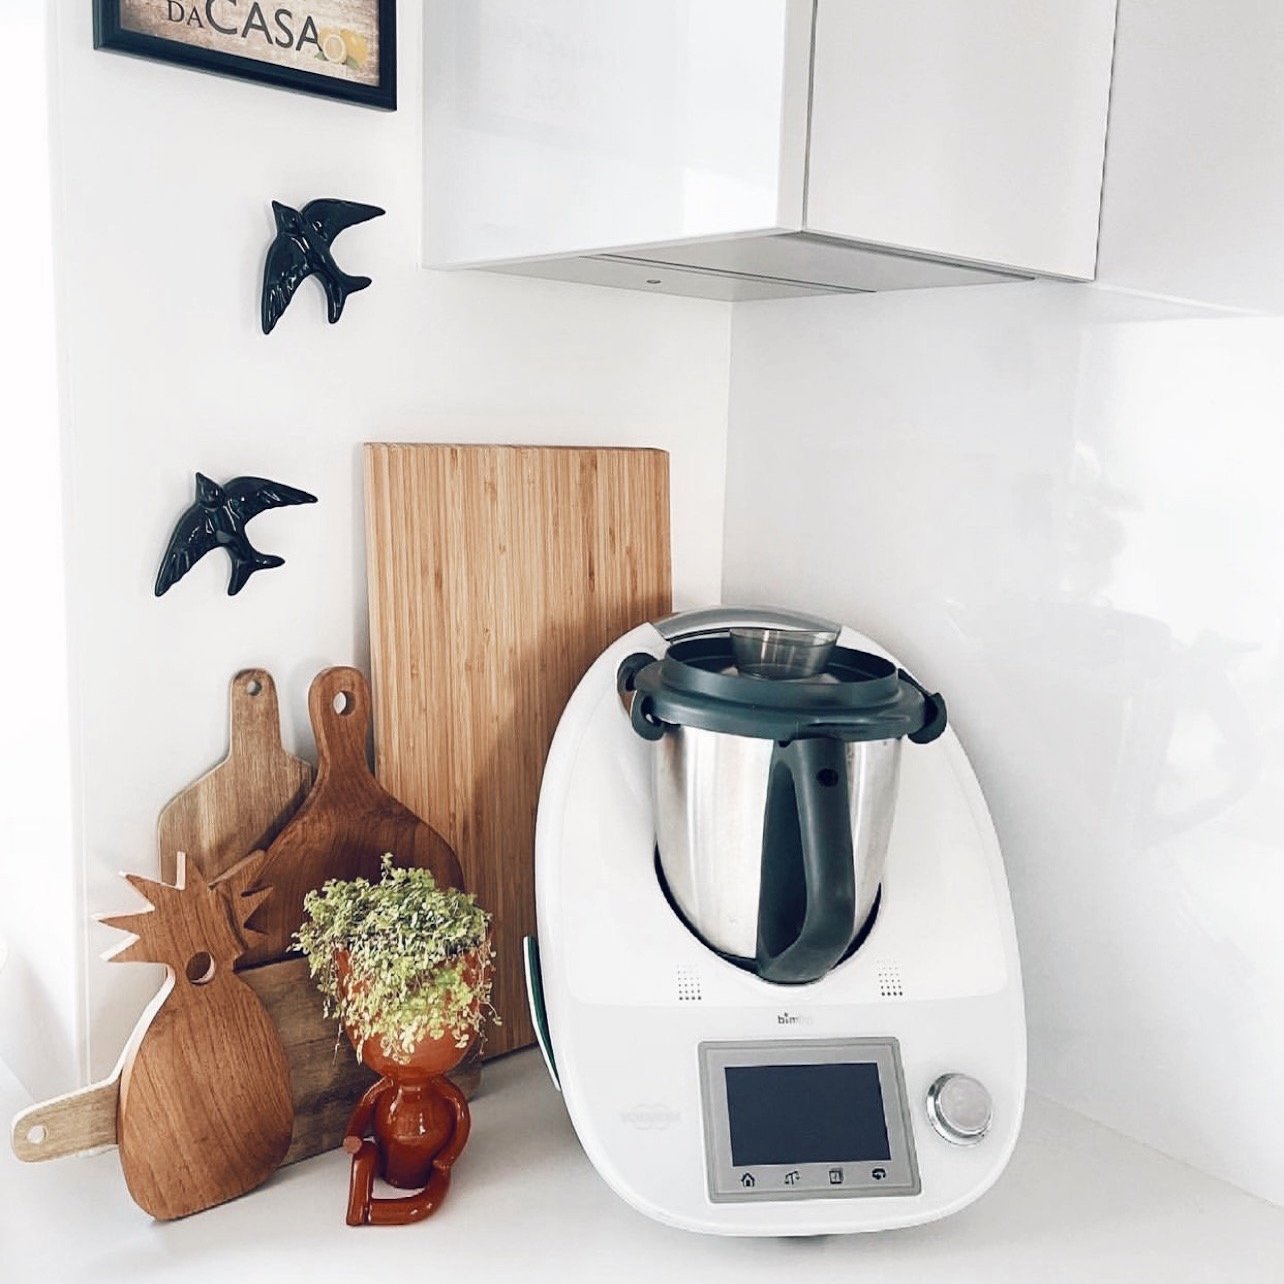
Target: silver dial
[[960, 1108]]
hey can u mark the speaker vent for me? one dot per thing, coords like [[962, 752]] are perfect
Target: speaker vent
[[889, 981], [688, 984]]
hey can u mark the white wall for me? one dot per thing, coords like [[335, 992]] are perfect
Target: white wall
[[1062, 505], [165, 221], [39, 1013]]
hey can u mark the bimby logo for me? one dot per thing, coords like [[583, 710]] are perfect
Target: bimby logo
[[792, 1018]]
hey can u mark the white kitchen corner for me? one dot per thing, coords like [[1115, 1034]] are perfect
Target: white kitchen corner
[[674, 614]]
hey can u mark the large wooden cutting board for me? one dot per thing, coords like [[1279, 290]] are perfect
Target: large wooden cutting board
[[497, 575]]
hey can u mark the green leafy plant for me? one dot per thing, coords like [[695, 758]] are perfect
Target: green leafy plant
[[418, 957]]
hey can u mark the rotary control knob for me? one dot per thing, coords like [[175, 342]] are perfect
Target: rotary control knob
[[960, 1108]]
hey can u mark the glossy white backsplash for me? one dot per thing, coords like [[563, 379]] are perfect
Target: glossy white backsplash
[[1063, 506]]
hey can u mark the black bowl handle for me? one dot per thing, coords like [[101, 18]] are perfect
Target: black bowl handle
[[807, 896]]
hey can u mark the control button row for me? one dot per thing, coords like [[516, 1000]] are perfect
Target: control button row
[[836, 1176]]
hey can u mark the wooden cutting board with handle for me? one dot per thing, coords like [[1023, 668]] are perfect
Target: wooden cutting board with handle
[[205, 1109], [497, 575], [254, 791], [345, 825], [242, 804], [326, 1081], [325, 1084], [200, 1103]]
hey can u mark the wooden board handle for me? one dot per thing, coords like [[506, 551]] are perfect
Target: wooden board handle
[[72, 1124], [255, 718], [339, 706]]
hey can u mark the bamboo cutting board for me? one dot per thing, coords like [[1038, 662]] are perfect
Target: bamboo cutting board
[[497, 575]]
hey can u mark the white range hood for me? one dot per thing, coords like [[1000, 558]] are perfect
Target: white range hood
[[740, 149]]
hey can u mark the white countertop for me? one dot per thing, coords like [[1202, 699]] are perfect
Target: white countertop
[[1078, 1203]]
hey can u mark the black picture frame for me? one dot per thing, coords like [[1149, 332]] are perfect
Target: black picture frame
[[109, 34]]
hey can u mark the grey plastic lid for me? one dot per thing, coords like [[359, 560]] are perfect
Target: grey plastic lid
[[859, 696]]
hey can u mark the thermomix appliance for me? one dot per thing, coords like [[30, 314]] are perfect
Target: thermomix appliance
[[776, 977]]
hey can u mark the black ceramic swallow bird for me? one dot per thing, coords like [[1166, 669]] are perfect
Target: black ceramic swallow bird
[[302, 249], [217, 520]]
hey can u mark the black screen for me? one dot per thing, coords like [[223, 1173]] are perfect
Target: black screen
[[805, 1114]]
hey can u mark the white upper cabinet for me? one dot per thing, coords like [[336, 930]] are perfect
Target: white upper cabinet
[[1195, 176], [752, 148], [562, 126], [972, 131]]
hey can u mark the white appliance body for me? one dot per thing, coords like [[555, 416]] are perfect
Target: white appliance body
[[644, 1020]]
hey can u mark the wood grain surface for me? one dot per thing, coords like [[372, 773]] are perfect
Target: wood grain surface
[[242, 804], [76, 1123], [326, 1079], [205, 1111], [345, 825], [497, 575]]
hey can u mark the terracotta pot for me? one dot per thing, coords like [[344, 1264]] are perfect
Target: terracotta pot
[[418, 1118], [429, 1057]]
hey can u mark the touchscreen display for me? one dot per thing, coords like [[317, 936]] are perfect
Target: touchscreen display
[[798, 1114]]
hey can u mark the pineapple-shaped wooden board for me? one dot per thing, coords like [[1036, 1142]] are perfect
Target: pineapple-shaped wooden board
[[205, 1109]]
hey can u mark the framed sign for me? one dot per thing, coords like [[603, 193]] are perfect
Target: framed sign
[[338, 48]]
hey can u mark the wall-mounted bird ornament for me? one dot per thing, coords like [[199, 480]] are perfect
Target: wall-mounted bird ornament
[[217, 520], [302, 249]]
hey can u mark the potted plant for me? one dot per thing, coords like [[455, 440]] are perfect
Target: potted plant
[[406, 967]]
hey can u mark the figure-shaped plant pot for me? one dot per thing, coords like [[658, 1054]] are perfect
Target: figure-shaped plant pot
[[409, 1128]]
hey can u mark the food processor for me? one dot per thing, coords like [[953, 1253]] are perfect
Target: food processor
[[776, 977]]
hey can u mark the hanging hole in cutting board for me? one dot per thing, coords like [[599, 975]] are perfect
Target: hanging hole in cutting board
[[200, 968], [344, 703], [36, 1135], [253, 687]]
